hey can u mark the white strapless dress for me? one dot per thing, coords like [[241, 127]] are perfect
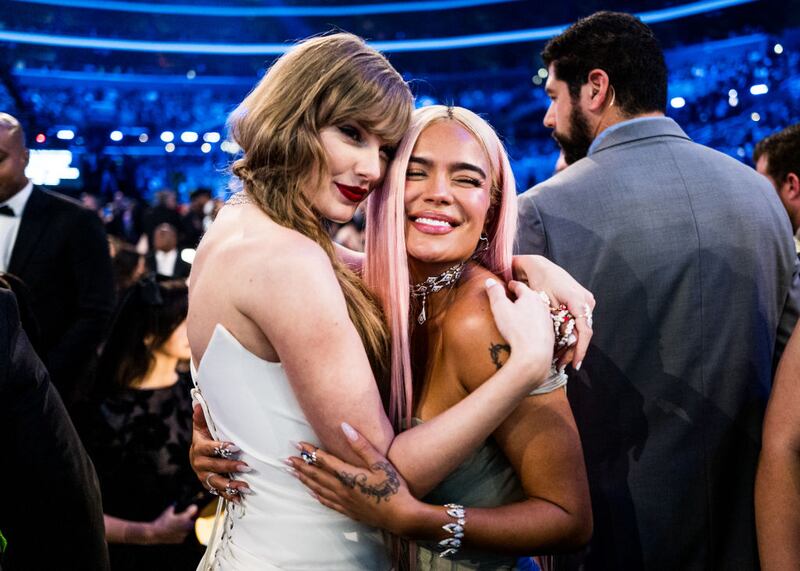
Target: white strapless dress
[[250, 402]]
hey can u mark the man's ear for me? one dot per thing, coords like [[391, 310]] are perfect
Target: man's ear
[[600, 90], [791, 186]]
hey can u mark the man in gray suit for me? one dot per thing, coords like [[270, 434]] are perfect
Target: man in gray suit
[[690, 257]]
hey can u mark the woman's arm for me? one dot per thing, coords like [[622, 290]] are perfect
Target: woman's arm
[[778, 478], [543, 275], [326, 364], [539, 439], [169, 527]]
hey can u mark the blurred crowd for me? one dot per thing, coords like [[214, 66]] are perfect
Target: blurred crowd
[[101, 296]]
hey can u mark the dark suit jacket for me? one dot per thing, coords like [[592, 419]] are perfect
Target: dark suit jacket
[[689, 254], [51, 512], [181, 272], [61, 253]]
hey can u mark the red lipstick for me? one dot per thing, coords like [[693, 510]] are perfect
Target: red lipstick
[[352, 193]]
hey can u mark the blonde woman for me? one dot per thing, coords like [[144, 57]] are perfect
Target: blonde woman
[[288, 343]]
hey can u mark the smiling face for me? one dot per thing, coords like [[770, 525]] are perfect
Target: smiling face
[[446, 198], [356, 162]]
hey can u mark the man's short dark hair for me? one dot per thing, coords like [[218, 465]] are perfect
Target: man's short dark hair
[[622, 46], [782, 150]]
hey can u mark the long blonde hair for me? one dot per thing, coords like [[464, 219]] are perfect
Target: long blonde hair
[[386, 264], [323, 81]]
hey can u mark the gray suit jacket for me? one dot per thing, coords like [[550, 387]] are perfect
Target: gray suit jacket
[[689, 254]]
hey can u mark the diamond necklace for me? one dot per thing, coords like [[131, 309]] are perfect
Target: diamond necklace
[[433, 284]]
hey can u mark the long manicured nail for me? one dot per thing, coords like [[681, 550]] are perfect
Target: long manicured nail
[[578, 366], [350, 432], [491, 282], [291, 471], [244, 468], [288, 462], [231, 447], [246, 491], [298, 446]]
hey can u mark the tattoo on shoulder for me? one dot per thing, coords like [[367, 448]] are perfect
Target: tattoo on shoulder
[[496, 353], [383, 490]]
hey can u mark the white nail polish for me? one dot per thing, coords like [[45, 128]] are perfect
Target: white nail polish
[[491, 282], [246, 491], [578, 366], [350, 432], [244, 469]]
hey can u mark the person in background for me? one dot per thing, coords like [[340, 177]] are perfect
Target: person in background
[[58, 523], [777, 157], [59, 249], [671, 397], [128, 265], [138, 433], [193, 222], [165, 258], [164, 210]]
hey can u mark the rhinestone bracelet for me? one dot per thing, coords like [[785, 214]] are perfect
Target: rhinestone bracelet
[[450, 545]]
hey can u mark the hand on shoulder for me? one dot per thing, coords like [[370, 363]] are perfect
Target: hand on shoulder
[[480, 338]]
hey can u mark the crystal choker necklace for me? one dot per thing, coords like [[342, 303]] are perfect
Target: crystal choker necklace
[[433, 284]]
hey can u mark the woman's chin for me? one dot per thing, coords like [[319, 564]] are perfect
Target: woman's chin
[[340, 214]]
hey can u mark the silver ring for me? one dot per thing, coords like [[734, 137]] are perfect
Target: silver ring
[[211, 489], [223, 451], [231, 491], [309, 458]]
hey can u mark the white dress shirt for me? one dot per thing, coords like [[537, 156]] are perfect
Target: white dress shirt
[[9, 225], [165, 262]]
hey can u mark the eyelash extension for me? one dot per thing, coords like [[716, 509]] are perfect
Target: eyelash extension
[[350, 131]]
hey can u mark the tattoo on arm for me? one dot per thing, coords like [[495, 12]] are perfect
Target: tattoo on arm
[[383, 490], [495, 352]]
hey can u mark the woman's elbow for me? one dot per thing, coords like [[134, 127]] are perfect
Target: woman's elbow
[[581, 530], [576, 531]]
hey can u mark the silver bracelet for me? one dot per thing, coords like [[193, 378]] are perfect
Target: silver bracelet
[[450, 545]]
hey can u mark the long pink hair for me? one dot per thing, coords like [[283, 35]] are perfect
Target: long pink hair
[[386, 263]]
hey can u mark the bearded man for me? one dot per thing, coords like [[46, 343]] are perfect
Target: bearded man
[[691, 260]]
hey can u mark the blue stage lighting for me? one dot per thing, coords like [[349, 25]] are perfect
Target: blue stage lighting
[[677, 102], [256, 11], [456, 42], [759, 89]]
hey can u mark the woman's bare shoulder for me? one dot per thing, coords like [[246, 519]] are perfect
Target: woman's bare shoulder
[[471, 339], [248, 242]]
